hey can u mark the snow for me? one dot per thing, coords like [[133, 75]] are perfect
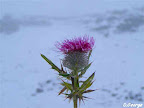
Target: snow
[[64, 7], [29, 28]]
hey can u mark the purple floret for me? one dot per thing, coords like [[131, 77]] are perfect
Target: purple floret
[[80, 44]]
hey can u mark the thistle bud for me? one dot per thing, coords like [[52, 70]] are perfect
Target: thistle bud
[[75, 60]]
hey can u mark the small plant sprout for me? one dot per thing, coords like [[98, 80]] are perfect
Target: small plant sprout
[[77, 52]]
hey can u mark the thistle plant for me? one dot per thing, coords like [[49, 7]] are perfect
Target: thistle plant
[[74, 65]]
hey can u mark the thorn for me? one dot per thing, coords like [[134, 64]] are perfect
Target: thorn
[[87, 97], [66, 98], [97, 89], [83, 101], [79, 101]]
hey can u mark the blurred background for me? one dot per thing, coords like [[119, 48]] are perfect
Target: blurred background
[[31, 27]]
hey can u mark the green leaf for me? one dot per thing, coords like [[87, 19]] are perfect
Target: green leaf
[[62, 90], [86, 84], [51, 63], [88, 91], [83, 71], [85, 87], [65, 75], [67, 85], [89, 54]]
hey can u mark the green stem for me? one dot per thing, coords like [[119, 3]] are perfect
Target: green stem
[[75, 101], [76, 84]]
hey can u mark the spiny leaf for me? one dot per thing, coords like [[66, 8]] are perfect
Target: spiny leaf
[[81, 90], [87, 81], [81, 81], [65, 75], [64, 84], [86, 97], [68, 86], [70, 96], [66, 94], [62, 70], [80, 98], [88, 91], [85, 87], [62, 90], [83, 100], [86, 84], [83, 71], [51, 63], [89, 54]]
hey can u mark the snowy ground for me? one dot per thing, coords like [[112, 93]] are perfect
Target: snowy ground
[[26, 80]]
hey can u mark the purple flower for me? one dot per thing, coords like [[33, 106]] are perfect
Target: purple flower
[[79, 44]]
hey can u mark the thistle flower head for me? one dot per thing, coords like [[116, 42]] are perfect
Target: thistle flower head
[[80, 44], [76, 51]]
